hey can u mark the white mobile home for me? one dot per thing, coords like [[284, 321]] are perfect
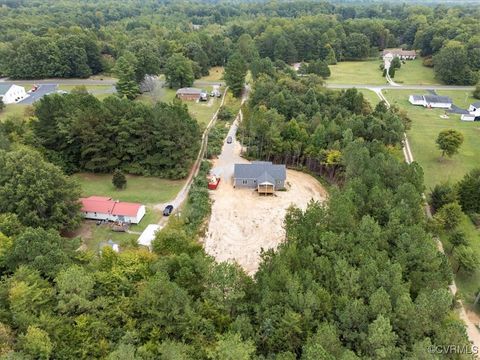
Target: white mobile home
[[104, 208], [10, 94]]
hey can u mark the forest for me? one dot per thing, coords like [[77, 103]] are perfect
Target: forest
[[358, 277], [50, 38], [81, 133]]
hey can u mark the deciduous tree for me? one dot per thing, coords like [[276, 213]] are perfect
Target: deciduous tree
[[449, 141]]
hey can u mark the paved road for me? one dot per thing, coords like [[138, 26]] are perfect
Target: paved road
[[39, 93], [60, 81]]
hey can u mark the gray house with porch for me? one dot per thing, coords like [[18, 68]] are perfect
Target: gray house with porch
[[261, 175]]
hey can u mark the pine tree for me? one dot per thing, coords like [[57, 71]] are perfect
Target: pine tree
[[125, 69], [235, 72], [119, 180]]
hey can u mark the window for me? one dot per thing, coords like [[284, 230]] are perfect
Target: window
[[244, 182]]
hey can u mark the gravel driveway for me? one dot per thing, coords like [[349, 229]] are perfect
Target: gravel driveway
[[243, 223]]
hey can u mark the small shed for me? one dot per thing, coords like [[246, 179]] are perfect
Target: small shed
[[189, 93]]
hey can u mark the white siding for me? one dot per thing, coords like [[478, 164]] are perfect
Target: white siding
[[14, 94]]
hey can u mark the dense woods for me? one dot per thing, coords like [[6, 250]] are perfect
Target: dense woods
[[76, 39], [79, 132]]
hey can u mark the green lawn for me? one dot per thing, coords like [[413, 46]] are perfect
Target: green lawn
[[216, 74], [425, 127], [371, 96], [13, 109], [414, 73], [357, 72], [202, 111], [89, 88], [145, 190]]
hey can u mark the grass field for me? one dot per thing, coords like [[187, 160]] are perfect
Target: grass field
[[357, 72], [90, 88], [202, 111], [425, 127], [13, 109], [216, 74], [145, 190], [371, 96], [414, 73], [426, 124]]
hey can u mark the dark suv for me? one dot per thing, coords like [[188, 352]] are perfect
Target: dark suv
[[168, 210]]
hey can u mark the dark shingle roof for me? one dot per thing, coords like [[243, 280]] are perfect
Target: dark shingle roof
[[417, 97], [4, 88], [261, 171], [476, 104], [437, 99]]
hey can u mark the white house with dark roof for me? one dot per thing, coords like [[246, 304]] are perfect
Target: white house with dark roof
[[473, 112], [11, 93], [431, 101], [400, 53], [261, 175]]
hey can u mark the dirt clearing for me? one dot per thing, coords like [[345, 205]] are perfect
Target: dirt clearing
[[242, 222]]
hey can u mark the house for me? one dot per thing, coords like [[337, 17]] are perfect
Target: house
[[104, 208], [431, 101], [261, 175], [148, 235], [10, 94], [473, 113], [400, 53], [190, 94]]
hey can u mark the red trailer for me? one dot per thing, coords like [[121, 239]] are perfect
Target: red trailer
[[213, 182]]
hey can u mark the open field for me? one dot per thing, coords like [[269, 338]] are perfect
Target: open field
[[202, 111], [216, 74], [145, 190], [13, 109], [90, 88], [371, 96], [425, 127], [357, 72], [414, 73]]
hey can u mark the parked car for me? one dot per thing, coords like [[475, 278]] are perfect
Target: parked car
[[34, 88], [203, 96], [229, 140], [215, 93], [168, 210]]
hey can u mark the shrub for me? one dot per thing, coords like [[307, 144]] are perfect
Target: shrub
[[442, 194]]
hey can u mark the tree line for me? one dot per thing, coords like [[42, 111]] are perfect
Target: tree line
[[84, 41], [81, 133]]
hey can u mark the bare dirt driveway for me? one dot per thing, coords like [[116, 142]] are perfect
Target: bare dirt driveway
[[242, 222]]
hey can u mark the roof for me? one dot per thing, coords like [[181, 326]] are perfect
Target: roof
[[400, 52], [476, 104], [97, 206], [189, 91], [4, 88], [148, 235], [417, 97], [105, 205], [437, 99], [126, 209], [261, 171]]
